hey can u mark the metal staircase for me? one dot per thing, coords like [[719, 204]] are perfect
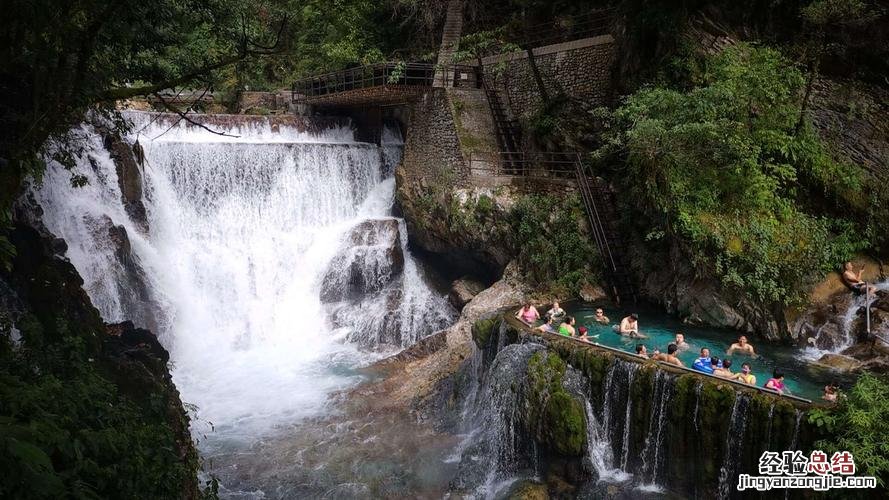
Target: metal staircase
[[598, 201], [508, 130]]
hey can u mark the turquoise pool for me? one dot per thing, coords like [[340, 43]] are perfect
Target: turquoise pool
[[801, 378]]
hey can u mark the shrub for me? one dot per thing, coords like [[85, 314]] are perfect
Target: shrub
[[859, 424], [723, 170]]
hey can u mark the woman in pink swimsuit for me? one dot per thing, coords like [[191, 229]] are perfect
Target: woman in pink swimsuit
[[528, 313], [776, 383]]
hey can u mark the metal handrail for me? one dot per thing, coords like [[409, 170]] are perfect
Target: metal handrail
[[375, 75], [524, 163], [592, 23]]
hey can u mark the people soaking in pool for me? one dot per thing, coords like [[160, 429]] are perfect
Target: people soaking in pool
[[831, 392], [746, 375], [741, 347], [641, 351], [680, 342], [567, 327], [669, 356], [703, 364], [601, 318], [776, 383], [555, 311], [551, 326], [584, 334], [723, 371], [528, 314], [629, 327]]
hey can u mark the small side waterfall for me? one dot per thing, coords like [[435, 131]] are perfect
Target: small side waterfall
[[599, 449], [495, 451], [697, 413], [652, 455], [737, 426]]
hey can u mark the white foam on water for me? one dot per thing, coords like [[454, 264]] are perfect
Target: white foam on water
[[240, 231]]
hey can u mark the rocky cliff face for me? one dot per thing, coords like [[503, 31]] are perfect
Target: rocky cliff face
[[443, 221], [80, 395]]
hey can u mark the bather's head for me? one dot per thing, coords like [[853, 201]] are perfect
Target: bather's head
[[671, 349]]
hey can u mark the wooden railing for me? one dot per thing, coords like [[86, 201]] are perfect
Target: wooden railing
[[396, 74]]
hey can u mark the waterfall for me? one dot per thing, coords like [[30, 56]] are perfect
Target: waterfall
[[599, 449], [847, 320], [243, 236], [697, 414], [599, 431], [617, 405], [735, 439], [494, 452], [771, 418], [652, 458]]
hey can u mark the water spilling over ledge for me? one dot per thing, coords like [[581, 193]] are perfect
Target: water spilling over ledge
[[646, 427], [229, 265]]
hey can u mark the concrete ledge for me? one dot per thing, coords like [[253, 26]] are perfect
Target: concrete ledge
[[550, 49]]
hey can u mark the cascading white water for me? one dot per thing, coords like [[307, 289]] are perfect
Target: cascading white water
[[846, 320], [242, 231], [728, 472]]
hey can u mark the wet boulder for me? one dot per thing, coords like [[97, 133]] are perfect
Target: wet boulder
[[463, 290], [839, 362], [129, 175], [370, 259], [375, 321], [137, 298]]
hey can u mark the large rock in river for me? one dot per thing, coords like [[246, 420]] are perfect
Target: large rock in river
[[370, 259]]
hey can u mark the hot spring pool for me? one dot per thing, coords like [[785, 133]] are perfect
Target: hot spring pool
[[801, 378]]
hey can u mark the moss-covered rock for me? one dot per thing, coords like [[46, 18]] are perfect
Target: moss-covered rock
[[483, 329], [554, 416], [529, 490]]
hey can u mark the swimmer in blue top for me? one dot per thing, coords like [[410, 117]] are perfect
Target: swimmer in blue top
[[702, 364]]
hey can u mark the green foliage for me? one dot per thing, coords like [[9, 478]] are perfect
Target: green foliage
[[823, 12], [859, 424], [550, 245], [66, 431], [484, 43], [723, 169]]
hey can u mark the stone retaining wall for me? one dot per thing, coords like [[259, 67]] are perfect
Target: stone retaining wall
[[580, 69], [432, 148]]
